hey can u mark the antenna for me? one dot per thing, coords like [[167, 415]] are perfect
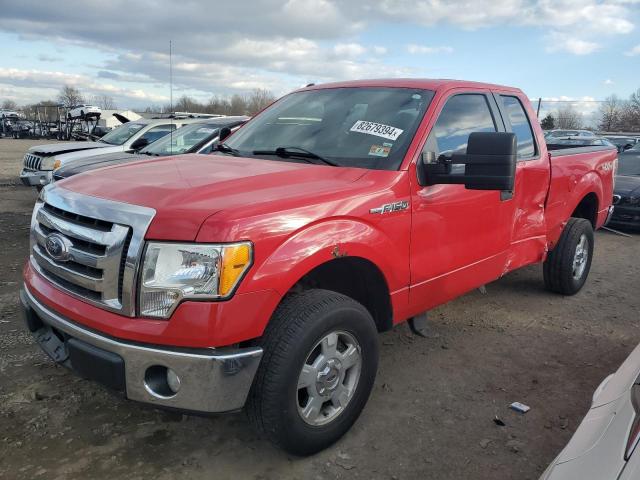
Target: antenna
[[171, 96]]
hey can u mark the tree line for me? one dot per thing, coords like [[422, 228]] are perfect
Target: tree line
[[614, 115]]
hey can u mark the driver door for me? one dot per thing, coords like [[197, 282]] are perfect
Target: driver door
[[459, 237]]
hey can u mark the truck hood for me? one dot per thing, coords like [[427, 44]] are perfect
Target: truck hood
[[185, 190], [627, 186], [60, 148], [91, 162], [67, 157]]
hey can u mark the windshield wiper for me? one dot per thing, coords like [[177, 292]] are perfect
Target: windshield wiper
[[224, 148], [297, 152]]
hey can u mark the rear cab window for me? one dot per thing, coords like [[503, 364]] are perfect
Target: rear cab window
[[520, 125]]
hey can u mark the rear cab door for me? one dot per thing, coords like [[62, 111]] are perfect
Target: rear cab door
[[459, 238], [528, 233]]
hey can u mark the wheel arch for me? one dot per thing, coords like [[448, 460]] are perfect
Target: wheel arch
[[587, 208], [347, 256]]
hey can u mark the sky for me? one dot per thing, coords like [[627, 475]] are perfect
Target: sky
[[578, 50]]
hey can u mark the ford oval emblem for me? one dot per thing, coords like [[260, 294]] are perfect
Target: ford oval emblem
[[57, 247]]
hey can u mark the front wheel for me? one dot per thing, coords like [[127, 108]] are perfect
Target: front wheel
[[567, 265], [318, 368]]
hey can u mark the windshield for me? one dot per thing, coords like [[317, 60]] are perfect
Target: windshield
[[182, 140], [121, 134], [351, 127]]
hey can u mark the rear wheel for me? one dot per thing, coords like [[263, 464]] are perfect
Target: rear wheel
[[568, 264], [318, 369]]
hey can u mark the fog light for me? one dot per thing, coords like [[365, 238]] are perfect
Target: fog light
[[173, 380]]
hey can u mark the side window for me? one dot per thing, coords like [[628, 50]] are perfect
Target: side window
[[462, 114], [520, 126], [160, 131]]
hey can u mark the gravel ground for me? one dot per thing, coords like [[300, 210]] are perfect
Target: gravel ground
[[430, 415]]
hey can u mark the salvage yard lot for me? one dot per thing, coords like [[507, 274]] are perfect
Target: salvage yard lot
[[430, 415]]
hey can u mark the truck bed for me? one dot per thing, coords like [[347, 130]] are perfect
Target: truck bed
[[574, 172]]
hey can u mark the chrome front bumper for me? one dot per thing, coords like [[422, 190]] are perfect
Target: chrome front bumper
[[211, 380], [35, 178]]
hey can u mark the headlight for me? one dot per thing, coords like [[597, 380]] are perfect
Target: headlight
[[172, 272], [50, 163]]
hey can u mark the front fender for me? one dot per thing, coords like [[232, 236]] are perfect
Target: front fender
[[325, 241]]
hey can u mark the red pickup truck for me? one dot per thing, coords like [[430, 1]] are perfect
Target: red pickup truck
[[258, 276]]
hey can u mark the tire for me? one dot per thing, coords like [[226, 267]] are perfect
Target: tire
[[300, 329], [565, 270]]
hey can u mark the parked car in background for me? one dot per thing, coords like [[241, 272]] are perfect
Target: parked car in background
[[198, 137], [40, 161], [569, 133], [605, 445], [623, 143], [626, 194], [8, 114], [574, 142], [260, 275], [84, 111], [20, 128]]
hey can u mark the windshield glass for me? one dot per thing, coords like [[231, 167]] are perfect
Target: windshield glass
[[352, 127], [121, 134], [182, 140]]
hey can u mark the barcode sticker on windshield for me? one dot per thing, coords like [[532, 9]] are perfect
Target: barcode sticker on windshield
[[377, 129]]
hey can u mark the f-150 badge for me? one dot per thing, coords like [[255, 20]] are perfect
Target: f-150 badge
[[391, 207]]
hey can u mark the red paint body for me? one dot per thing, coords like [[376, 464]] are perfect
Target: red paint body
[[449, 241]]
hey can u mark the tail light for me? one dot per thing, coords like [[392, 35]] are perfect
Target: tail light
[[634, 433]]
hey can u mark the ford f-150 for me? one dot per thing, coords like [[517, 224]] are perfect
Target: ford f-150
[[258, 276]]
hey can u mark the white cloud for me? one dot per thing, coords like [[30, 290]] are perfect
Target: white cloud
[[414, 49], [52, 81], [559, 42], [633, 51], [608, 81], [281, 43], [349, 49]]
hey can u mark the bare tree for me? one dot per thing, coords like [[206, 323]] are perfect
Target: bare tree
[[234, 105], [237, 105], [9, 105], [70, 96], [259, 99], [611, 114], [105, 102], [568, 118]]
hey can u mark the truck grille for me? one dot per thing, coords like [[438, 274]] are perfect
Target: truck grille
[[32, 162], [92, 258], [94, 251]]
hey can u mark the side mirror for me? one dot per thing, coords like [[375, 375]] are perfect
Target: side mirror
[[489, 164], [627, 146], [224, 133], [139, 144]]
